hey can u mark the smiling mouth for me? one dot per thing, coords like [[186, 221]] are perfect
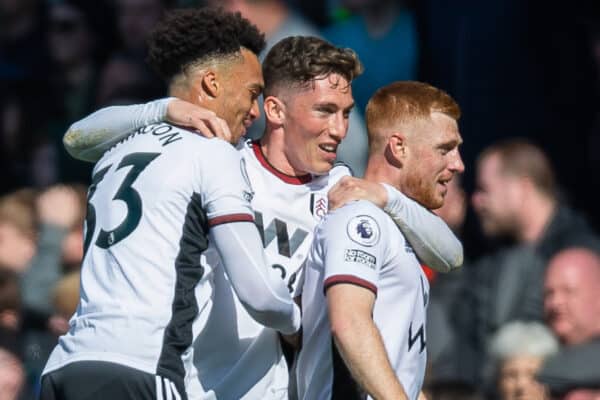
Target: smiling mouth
[[329, 148]]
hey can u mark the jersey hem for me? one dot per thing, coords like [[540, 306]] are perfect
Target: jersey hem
[[102, 357]]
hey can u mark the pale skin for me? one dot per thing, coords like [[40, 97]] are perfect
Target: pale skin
[[351, 307], [359, 341]]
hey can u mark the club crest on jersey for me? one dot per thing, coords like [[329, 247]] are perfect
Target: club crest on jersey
[[248, 194], [363, 230], [318, 205]]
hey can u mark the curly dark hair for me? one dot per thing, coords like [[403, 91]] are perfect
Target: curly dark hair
[[298, 60], [192, 35]]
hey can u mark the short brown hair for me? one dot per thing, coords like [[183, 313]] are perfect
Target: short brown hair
[[404, 102], [519, 157], [299, 60]]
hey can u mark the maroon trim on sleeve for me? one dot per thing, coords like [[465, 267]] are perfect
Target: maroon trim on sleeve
[[351, 279], [291, 179], [224, 219]]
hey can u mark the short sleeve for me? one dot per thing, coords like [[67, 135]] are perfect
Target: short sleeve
[[353, 248], [226, 188]]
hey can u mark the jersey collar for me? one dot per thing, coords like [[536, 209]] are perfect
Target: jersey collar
[[291, 179]]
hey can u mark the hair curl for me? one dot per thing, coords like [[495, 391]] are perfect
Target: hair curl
[[298, 60], [189, 36]]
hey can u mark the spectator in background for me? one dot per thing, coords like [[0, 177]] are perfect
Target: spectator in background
[[24, 89], [384, 34], [519, 349], [17, 230], [65, 295], [23, 52], [81, 35], [12, 375], [10, 302], [571, 295], [517, 199], [450, 372], [61, 210], [573, 373], [135, 20], [125, 79], [278, 21]]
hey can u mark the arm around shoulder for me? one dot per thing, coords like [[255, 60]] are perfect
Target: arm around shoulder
[[88, 138]]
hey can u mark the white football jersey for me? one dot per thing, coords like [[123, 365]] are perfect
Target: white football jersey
[[360, 244], [287, 208], [147, 274]]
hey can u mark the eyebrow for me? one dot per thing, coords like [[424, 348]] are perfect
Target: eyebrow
[[450, 143], [332, 105]]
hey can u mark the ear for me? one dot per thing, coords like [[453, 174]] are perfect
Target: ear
[[396, 148], [209, 84], [274, 110]]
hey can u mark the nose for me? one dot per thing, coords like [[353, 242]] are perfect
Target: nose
[[254, 110], [522, 382], [338, 126], [457, 164]]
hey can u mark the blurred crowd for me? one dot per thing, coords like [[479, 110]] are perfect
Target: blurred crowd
[[520, 320]]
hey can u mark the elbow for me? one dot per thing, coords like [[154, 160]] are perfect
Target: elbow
[[70, 142], [340, 328]]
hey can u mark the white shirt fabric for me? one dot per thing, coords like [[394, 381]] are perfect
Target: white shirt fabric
[[359, 244], [286, 209], [149, 267]]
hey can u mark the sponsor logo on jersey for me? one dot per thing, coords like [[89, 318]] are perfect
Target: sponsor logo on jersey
[[277, 228], [418, 335], [364, 230], [361, 257], [249, 193], [318, 205]]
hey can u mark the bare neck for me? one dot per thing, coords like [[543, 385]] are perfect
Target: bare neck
[[379, 170], [273, 148], [536, 214]]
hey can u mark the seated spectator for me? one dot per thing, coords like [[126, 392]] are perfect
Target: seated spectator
[[65, 295], [450, 374], [516, 198], [61, 211], [519, 348], [17, 230], [10, 302], [126, 80], [574, 372], [12, 375], [571, 300]]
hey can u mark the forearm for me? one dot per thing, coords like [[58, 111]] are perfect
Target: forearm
[[432, 239], [361, 347], [258, 287], [88, 138]]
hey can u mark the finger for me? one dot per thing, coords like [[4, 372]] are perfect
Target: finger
[[210, 123], [225, 129], [204, 130]]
